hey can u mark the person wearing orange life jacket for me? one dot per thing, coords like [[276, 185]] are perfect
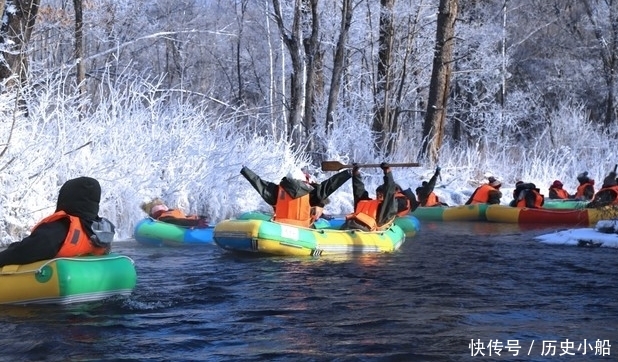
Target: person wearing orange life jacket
[[294, 200], [488, 193], [608, 194], [526, 194], [425, 195], [585, 190], [556, 192], [157, 210], [406, 201], [372, 214], [74, 229]]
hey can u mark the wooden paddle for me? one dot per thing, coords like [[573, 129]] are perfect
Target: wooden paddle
[[336, 165]]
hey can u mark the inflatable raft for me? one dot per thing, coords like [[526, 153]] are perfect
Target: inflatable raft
[[578, 217], [564, 204], [409, 224], [157, 233], [67, 280], [271, 238], [451, 213]]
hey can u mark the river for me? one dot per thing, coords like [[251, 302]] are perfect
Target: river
[[454, 292]]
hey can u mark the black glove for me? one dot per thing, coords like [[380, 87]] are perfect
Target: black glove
[[355, 169], [385, 167]]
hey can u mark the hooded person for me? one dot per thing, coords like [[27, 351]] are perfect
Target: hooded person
[[526, 194], [556, 191], [74, 229], [294, 200], [608, 194], [585, 190]]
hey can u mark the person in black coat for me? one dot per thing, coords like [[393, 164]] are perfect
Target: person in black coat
[[77, 197], [388, 208]]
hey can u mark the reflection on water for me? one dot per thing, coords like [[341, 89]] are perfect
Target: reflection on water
[[452, 283]]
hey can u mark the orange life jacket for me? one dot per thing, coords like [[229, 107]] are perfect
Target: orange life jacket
[[367, 212], [580, 190], [538, 200], [615, 188], [432, 200], [292, 211], [561, 193], [77, 242], [481, 195], [177, 214], [403, 212]]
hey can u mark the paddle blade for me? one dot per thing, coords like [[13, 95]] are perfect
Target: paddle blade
[[333, 166]]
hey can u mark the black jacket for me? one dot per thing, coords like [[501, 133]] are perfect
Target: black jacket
[[318, 192], [388, 208], [78, 197]]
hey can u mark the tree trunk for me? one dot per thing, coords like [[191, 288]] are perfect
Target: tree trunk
[[314, 85], [608, 49], [17, 31], [298, 80], [382, 126], [338, 63], [433, 127], [79, 50]]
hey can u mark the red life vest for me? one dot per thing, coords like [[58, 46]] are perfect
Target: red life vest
[[481, 195], [538, 200], [292, 211], [367, 212], [561, 193], [77, 242], [581, 188], [432, 200], [175, 213], [615, 189]]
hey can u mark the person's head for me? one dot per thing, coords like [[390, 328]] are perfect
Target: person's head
[[519, 183], [494, 183], [583, 177], [157, 210], [556, 184], [80, 197], [296, 174], [380, 192], [397, 188]]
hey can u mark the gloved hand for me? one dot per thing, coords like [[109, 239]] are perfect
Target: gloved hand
[[385, 167], [202, 222], [438, 169], [355, 169]]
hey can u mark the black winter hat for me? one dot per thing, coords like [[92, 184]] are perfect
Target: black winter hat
[[80, 197]]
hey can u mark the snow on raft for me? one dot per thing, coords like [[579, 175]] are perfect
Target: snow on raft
[[605, 233]]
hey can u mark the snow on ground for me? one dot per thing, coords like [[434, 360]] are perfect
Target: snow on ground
[[605, 233]]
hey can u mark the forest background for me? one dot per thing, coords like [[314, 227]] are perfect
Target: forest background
[[170, 98]]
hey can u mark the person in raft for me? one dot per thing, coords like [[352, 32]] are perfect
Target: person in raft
[[372, 214], [424, 193], [556, 192], [294, 200], [406, 200], [74, 229], [159, 211], [526, 194], [488, 193], [585, 190], [608, 194]]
